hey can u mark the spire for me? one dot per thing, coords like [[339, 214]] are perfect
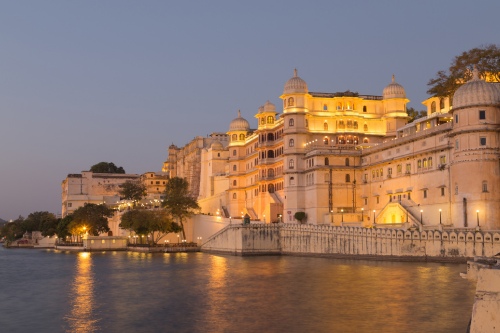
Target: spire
[[475, 73], [239, 114], [295, 72], [393, 78]]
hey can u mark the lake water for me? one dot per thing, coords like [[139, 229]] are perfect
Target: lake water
[[53, 291]]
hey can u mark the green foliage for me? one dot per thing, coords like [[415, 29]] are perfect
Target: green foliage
[[178, 201], [92, 217], [414, 114], [156, 223], [12, 230], [41, 221], [300, 216], [62, 226], [132, 190], [487, 60], [105, 167]]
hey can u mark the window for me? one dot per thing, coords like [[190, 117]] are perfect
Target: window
[[441, 103], [291, 122], [234, 137], [485, 186], [425, 163], [270, 120], [365, 140], [325, 140], [355, 125], [234, 152], [442, 159], [433, 107], [262, 120], [290, 101], [307, 123], [364, 108], [292, 181], [327, 177], [325, 126], [341, 124], [70, 204], [327, 161], [234, 182], [456, 189], [425, 194], [234, 167], [349, 124], [456, 144], [270, 173], [291, 164], [378, 200], [399, 168], [389, 171], [347, 178], [482, 141], [234, 195], [291, 143], [456, 119], [325, 107], [408, 168], [419, 164], [347, 161], [365, 127], [482, 114], [429, 162], [442, 191]]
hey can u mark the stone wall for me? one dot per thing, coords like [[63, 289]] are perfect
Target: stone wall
[[353, 241]]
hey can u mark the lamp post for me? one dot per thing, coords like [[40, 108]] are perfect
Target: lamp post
[[342, 213], [477, 215], [421, 211], [439, 216]]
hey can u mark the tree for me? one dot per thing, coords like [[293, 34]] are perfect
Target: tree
[[299, 216], [41, 221], [487, 60], [12, 230], [90, 218], [178, 202], [155, 223], [62, 226], [105, 167], [414, 114], [132, 190]]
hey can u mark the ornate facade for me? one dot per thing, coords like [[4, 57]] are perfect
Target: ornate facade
[[347, 158]]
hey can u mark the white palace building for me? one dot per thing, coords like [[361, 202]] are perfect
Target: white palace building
[[351, 159]]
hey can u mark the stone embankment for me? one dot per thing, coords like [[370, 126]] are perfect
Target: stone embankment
[[353, 242]]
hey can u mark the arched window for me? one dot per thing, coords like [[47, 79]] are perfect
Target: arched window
[[355, 125], [341, 140], [242, 137], [425, 163], [339, 106], [292, 181], [429, 162], [355, 140], [234, 167], [364, 108], [270, 154], [347, 161], [349, 139], [433, 107], [365, 127], [291, 164], [441, 103], [349, 124], [365, 140], [218, 154], [325, 107], [262, 120], [270, 119], [341, 124], [325, 140], [270, 172], [325, 126], [291, 122], [290, 101], [234, 195], [485, 186], [270, 188], [234, 137], [291, 143], [234, 182], [327, 161], [347, 178], [419, 164], [234, 152], [270, 136]]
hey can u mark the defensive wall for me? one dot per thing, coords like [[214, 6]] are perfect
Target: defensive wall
[[354, 242]]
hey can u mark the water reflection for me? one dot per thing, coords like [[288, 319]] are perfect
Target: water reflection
[[82, 315]]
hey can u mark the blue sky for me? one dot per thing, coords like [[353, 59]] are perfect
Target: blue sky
[[88, 81]]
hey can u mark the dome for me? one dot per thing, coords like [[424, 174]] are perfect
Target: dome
[[476, 92], [261, 109], [295, 85], [239, 124], [269, 107], [216, 145], [394, 90]]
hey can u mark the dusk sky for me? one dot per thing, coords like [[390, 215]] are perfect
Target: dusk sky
[[88, 81]]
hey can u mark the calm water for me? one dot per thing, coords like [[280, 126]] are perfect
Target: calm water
[[51, 291]]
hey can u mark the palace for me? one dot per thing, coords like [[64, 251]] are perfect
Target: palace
[[350, 159]]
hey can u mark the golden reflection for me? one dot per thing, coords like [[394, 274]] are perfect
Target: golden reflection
[[82, 316], [218, 272]]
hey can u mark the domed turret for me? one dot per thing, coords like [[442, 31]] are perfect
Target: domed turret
[[216, 145], [295, 85], [476, 92], [239, 124], [269, 107], [394, 90]]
